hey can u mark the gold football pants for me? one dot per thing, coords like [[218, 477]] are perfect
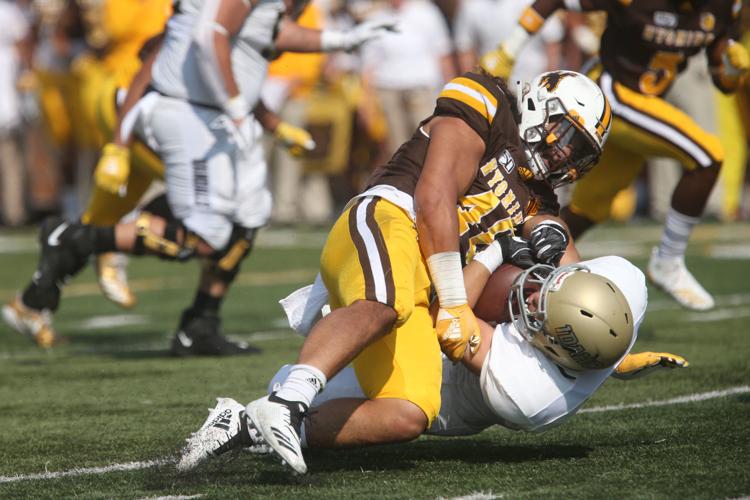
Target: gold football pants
[[372, 253], [643, 127]]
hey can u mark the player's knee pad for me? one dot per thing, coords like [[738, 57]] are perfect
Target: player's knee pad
[[177, 243], [226, 264]]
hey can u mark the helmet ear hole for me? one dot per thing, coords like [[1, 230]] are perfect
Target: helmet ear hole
[[586, 313], [612, 332], [530, 105]]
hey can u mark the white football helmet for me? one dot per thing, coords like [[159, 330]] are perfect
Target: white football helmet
[[565, 120], [580, 320]]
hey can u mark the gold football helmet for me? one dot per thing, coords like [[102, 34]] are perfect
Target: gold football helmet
[[578, 319]]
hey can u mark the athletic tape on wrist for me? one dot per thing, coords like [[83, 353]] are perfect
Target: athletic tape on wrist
[[516, 41], [448, 279], [332, 40], [491, 257]]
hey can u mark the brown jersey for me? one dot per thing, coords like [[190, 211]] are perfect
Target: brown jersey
[[646, 43], [498, 199]]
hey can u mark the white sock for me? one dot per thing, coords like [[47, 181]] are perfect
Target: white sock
[[677, 230], [303, 383]]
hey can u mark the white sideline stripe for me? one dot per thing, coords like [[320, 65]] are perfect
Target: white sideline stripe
[[474, 495], [480, 495], [172, 497], [690, 398], [85, 471], [113, 321]]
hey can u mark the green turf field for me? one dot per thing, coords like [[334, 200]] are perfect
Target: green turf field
[[110, 410]]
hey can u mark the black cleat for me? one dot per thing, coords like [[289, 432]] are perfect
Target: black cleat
[[199, 335]]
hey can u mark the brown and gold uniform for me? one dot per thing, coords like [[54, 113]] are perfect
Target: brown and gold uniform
[[645, 45], [373, 250]]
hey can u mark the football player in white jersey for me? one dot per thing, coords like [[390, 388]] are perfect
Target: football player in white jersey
[[205, 81], [572, 327]]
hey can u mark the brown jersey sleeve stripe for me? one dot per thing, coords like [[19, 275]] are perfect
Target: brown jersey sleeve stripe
[[371, 251]]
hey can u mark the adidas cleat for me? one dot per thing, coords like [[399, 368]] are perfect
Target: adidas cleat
[[111, 273], [671, 275], [27, 321], [224, 430], [278, 423]]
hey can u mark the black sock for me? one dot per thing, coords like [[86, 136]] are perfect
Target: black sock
[[205, 303], [41, 297], [104, 239]]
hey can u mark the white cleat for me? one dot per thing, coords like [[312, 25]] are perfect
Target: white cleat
[[27, 321], [111, 273], [671, 275], [224, 430], [277, 424]]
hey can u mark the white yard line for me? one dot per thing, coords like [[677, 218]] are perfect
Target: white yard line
[[85, 471], [690, 398]]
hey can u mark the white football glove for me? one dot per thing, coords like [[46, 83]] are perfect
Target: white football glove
[[352, 39]]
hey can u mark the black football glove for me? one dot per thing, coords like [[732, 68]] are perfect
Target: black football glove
[[548, 241], [516, 250]]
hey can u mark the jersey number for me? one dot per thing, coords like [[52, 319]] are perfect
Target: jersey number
[[661, 71]]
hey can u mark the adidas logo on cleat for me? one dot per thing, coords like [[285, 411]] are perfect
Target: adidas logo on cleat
[[222, 420]]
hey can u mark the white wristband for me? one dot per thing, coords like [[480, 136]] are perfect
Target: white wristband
[[516, 41], [236, 107], [448, 278], [331, 40], [491, 257]]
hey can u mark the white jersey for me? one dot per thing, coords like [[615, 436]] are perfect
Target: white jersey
[[520, 387], [177, 71]]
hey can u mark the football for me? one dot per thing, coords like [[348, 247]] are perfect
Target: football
[[492, 305]]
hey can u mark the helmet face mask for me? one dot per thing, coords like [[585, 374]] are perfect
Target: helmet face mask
[[565, 120], [577, 319]]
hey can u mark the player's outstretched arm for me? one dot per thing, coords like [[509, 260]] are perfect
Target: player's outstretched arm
[[636, 365], [295, 38]]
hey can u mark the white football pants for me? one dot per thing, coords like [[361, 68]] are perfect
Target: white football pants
[[215, 173]]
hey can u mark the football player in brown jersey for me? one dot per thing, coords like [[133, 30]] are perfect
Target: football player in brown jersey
[[645, 45], [464, 179]]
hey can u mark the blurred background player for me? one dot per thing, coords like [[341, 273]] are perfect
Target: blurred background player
[[216, 173], [407, 70], [643, 48], [12, 65]]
